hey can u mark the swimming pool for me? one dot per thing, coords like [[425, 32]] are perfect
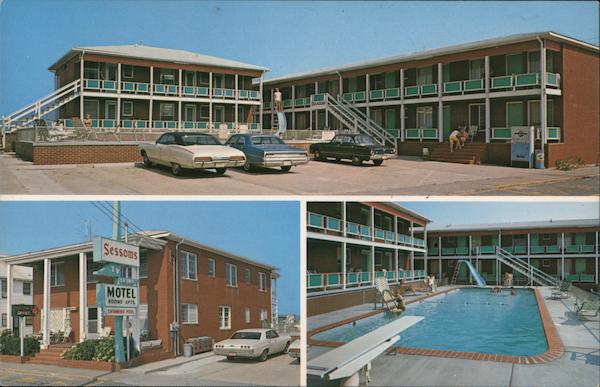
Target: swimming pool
[[463, 320]]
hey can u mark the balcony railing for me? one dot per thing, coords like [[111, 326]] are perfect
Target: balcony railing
[[384, 94], [421, 133], [323, 222], [100, 85], [336, 281], [553, 133], [135, 87]]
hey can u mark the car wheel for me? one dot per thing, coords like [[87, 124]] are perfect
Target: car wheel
[[356, 160], [147, 161], [176, 169], [318, 155], [230, 358], [263, 356], [221, 171], [287, 347], [377, 162], [247, 166], [286, 168]]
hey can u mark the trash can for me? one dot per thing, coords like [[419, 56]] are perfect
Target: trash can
[[539, 159], [187, 350]]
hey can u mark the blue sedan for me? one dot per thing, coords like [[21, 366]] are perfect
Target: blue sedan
[[263, 150]]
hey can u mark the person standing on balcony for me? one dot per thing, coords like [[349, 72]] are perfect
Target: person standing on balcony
[[277, 100], [87, 122]]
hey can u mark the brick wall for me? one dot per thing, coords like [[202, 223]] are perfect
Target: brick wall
[[85, 154]]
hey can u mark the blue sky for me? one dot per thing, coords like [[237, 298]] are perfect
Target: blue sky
[[284, 36], [268, 232], [465, 212]]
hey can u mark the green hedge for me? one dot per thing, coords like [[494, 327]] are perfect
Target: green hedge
[[11, 345], [98, 350]]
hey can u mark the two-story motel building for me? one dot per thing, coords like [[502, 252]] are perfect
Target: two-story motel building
[[141, 87], [564, 249], [206, 291], [349, 244], [546, 80]]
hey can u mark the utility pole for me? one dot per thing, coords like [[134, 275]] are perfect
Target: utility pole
[[116, 235]]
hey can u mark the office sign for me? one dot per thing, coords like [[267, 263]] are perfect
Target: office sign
[[522, 143], [22, 310], [112, 251], [117, 296]]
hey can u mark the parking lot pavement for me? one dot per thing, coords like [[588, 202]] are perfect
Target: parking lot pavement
[[401, 176], [280, 370], [13, 374]]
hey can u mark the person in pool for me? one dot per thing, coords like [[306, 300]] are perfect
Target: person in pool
[[400, 301], [513, 291]]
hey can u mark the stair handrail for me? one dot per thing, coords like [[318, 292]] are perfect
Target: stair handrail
[[526, 269], [368, 119], [39, 103]]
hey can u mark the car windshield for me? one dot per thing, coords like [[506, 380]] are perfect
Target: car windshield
[[246, 335], [266, 140], [199, 139], [364, 140]]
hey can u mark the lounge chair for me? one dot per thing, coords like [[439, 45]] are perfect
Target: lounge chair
[[388, 300], [562, 290], [587, 308]]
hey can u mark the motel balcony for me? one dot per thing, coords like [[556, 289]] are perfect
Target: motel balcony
[[321, 282]]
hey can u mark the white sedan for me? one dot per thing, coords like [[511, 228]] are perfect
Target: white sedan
[[252, 343], [181, 151]]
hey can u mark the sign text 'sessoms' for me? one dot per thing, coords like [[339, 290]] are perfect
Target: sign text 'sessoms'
[[109, 250]]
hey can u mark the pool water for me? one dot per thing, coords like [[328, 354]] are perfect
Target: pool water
[[463, 320]]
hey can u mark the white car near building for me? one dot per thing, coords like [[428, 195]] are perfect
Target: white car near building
[[186, 150], [253, 343]]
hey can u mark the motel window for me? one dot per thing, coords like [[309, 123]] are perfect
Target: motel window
[[28, 321], [4, 288], [425, 117], [204, 111], [476, 69], [247, 276], [143, 270], [91, 268], [424, 76], [4, 319], [91, 71], [247, 315], [167, 77], [189, 313], [224, 317], [127, 108], [167, 111], [57, 274], [262, 282], [143, 317], [27, 288], [127, 71], [533, 116], [263, 315], [211, 267], [231, 274], [533, 62], [188, 265]]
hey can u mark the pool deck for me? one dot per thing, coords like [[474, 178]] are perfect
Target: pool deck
[[579, 366]]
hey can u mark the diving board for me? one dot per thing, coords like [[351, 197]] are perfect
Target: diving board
[[346, 361]]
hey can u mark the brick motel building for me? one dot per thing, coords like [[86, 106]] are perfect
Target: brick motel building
[[207, 291]]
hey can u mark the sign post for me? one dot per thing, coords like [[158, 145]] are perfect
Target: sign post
[[121, 297], [21, 311]]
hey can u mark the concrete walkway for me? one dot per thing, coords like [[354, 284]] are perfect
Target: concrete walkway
[[580, 366], [14, 374]]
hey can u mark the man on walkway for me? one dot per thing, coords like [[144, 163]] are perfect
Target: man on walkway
[[277, 100]]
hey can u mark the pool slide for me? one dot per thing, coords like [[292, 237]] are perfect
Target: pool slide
[[281, 120], [478, 278]]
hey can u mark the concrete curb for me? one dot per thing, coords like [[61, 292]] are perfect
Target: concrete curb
[[169, 366]]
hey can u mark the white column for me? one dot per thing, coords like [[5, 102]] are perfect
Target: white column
[[471, 245], [9, 293], [425, 245], [344, 258], [236, 107], [372, 224], [82, 296], [119, 94], [260, 109], [412, 252], [151, 80], [543, 97], [402, 136], [317, 111], [488, 124], [344, 219], [597, 254], [368, 93], [396, 262], [179, 89], [562, 257], [440, 269], [293, 107], [372, 265], [81, 68], [46, 303], [440, 106], [210, 106]]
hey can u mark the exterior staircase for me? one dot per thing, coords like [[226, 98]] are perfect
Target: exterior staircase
[[536, 275], [50, 355], [471, 153], [40, 108]]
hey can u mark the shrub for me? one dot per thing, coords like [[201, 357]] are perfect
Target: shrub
[[11, 344], [99, 350], [567, 164], [82, 351]]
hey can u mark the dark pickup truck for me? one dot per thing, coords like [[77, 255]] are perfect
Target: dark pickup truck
[[354, 147]]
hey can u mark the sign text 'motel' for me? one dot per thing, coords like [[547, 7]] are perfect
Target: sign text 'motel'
[[109, 295], [110, 250]]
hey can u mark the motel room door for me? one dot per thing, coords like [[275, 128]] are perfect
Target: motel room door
[[447, 122], [514, 114]]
